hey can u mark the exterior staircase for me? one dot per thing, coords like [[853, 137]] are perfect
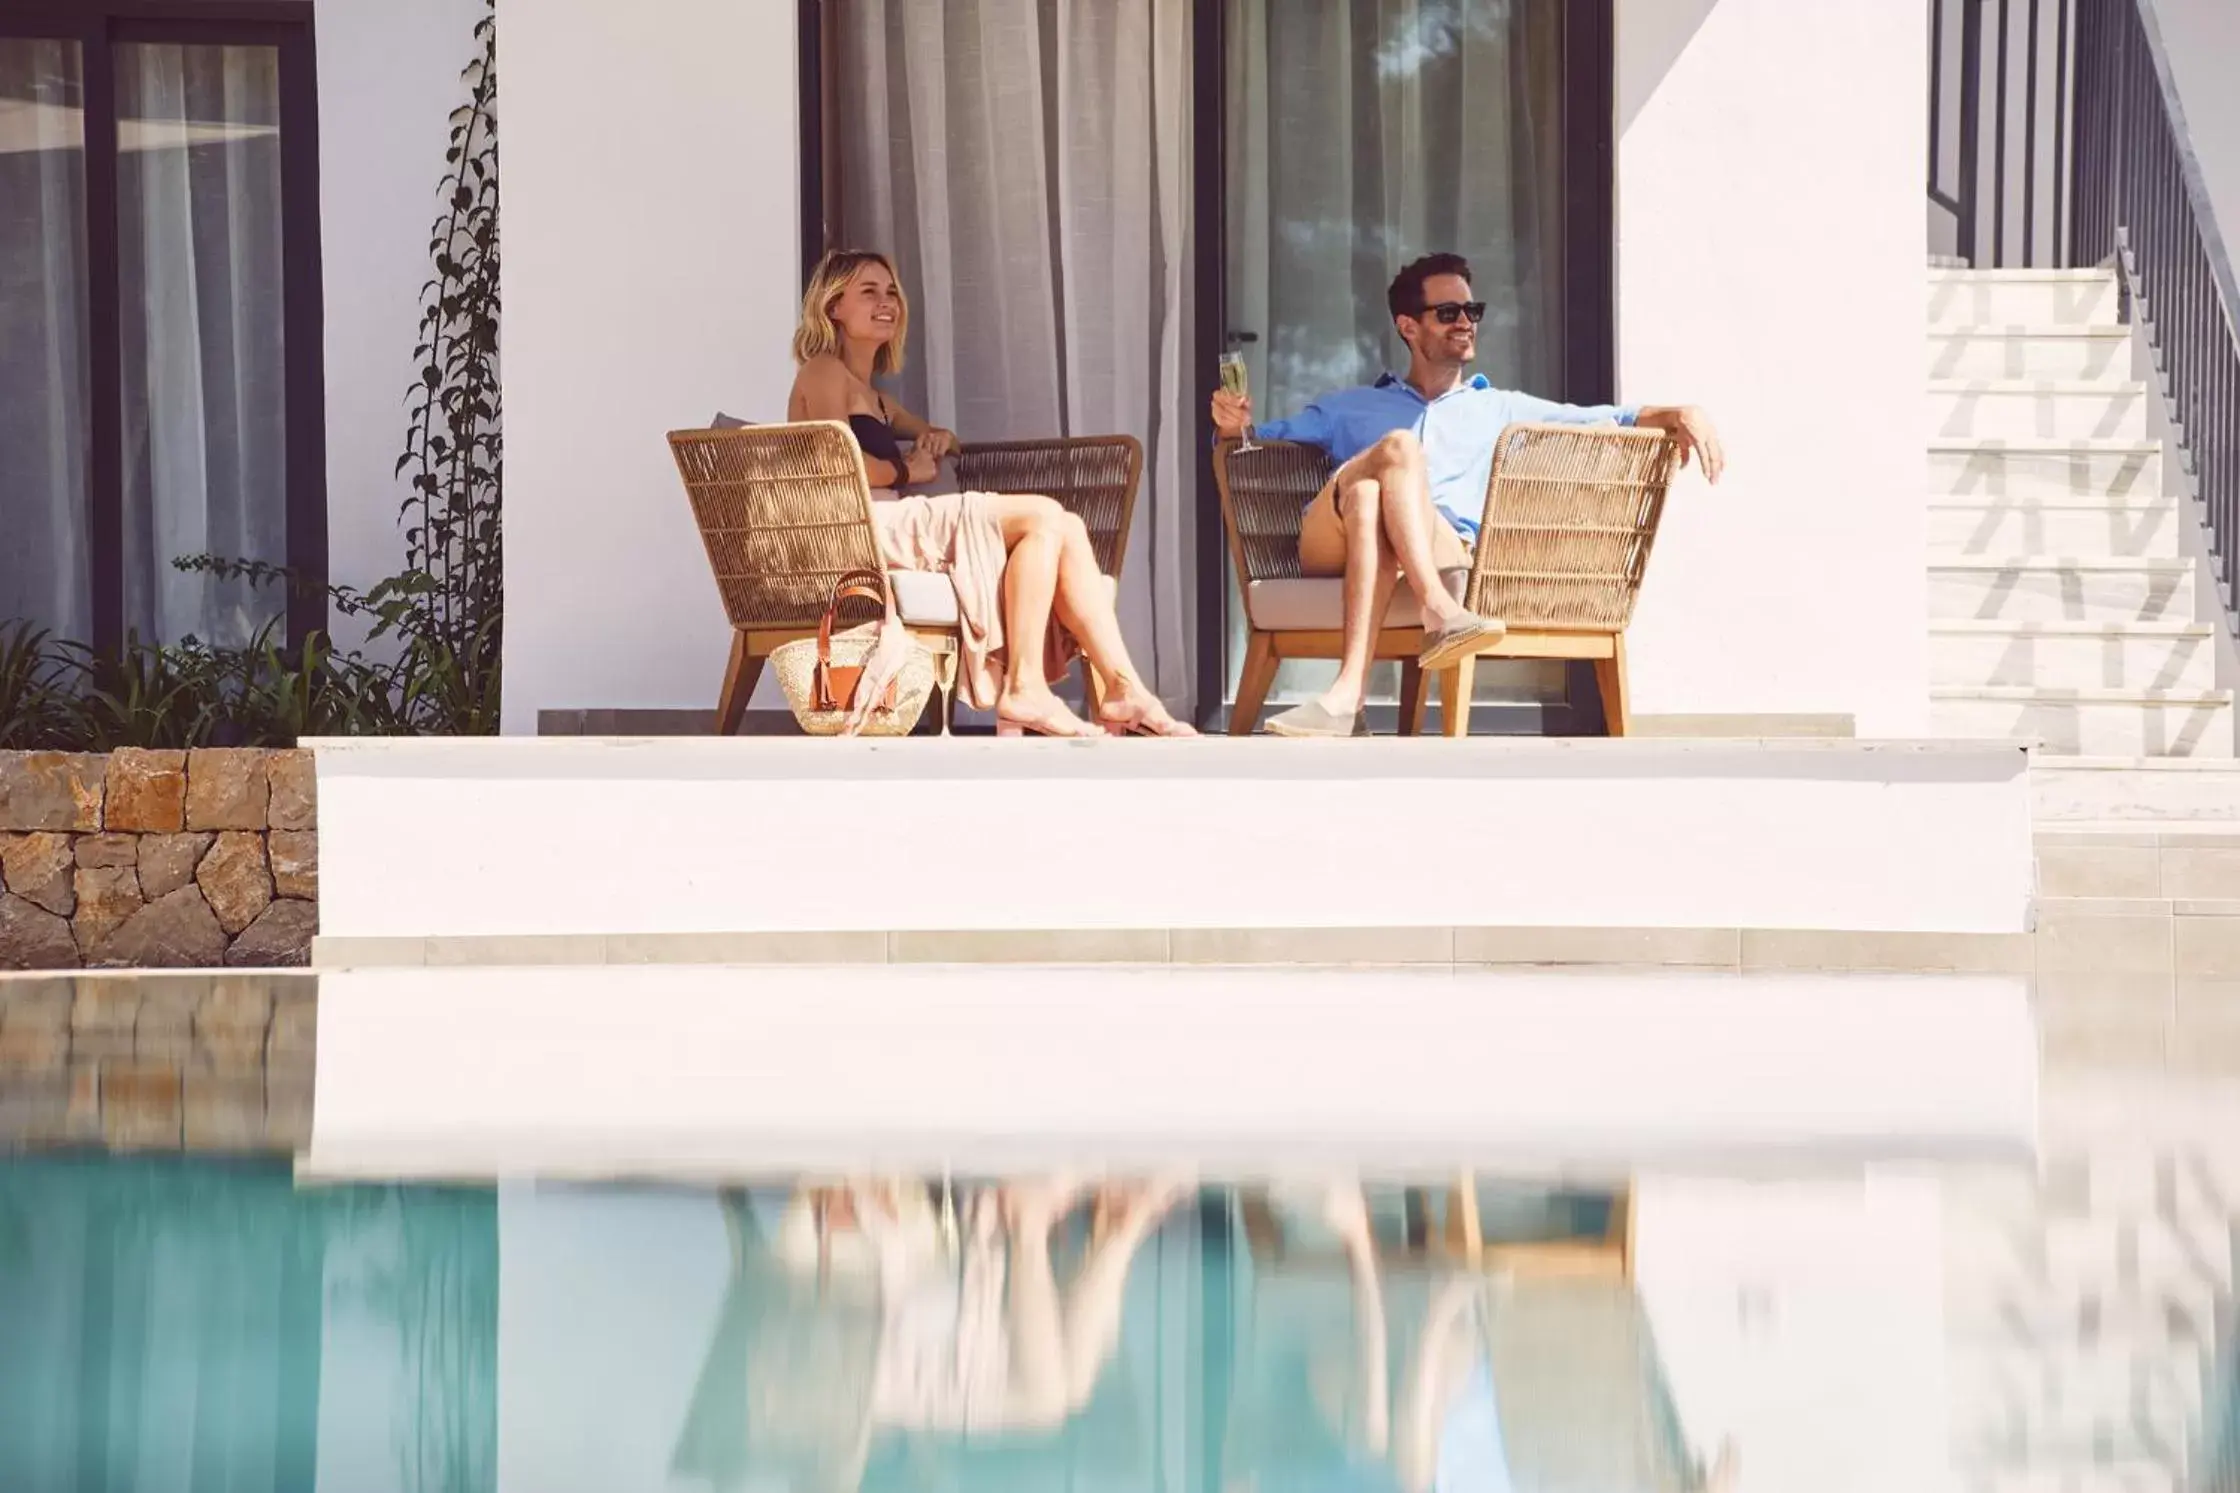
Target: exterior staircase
[[2090, 1314], [2065, 602]]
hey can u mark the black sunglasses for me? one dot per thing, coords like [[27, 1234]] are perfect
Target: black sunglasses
[[1449, 312]]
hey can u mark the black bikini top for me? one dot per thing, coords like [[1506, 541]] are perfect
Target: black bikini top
[[877, 438]]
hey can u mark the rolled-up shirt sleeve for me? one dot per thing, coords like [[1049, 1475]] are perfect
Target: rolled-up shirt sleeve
[[1316, 425], [1527, 408]]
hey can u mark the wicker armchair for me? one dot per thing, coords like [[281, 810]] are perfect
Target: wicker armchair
[[1571, 514], [785, 511]]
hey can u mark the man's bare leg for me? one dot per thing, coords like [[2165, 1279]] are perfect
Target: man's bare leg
[[1414, 529], [1369, 583]]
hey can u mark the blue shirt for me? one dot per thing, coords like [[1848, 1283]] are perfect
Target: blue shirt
[[1457, 429]]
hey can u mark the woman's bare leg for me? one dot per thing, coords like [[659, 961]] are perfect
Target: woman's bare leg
[[1088, 604], [1033, 530], [1347, 1211], [1449, 1349]]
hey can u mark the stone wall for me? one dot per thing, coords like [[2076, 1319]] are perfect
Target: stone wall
[[146, 859], [157, 1062]]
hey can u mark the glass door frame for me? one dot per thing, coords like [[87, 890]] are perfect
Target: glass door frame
[[1589, 319], [99, 27]]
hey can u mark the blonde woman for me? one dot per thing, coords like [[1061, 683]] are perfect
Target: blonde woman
[[1027, 583]]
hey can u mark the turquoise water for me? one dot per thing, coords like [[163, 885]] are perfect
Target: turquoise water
[[187, 1326]]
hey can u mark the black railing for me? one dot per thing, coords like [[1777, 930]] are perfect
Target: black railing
[[2142, 206], [2002, 200]]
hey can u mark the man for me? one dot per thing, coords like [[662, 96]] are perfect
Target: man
[[1414, 454]]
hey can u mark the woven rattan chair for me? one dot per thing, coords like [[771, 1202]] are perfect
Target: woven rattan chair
[[785, 511], [1571, 513]]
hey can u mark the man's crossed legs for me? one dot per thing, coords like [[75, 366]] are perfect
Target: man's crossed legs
[[1374, 524]]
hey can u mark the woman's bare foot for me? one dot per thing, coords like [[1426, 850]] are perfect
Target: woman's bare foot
[[1135, 711], [1038, 713]]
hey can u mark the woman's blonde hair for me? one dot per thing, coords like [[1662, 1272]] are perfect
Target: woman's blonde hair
[[819, 334]]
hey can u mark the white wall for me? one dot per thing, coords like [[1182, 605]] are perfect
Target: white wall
[[1592, 834], [651, 277], [388, 81], [1770, 269]]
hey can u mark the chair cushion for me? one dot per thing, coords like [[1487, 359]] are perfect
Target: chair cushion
[[924, 598], [1317, 603]]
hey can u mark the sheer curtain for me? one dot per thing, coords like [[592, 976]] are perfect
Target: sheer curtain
[[204, 383], [1362, 134], [44, 573], [1027, 163]]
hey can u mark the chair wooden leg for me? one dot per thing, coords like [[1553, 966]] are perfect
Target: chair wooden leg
[[1413, 696], [1455, 685], [1465, 1238], [1253, 683], [739, 677], [1610, 682], [1092, 692]]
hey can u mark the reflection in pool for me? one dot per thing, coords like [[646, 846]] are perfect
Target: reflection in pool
[[192, 1325]]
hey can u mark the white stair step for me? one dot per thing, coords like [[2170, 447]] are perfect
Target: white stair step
[[1969, 298], [2075, 526], [1987, 468], [2135, 791], [2074, 655], [2033, 588], [2086, 353], [2091, 723], [2042, 409]]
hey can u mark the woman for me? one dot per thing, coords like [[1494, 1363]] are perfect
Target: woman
[[1014, 559]]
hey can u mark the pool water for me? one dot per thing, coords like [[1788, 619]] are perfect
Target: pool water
[[191, 1325]]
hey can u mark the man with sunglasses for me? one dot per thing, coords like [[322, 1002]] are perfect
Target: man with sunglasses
[[1414, 455]]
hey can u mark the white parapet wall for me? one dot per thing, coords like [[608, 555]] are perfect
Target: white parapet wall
[[711, 1072], [527, 837]]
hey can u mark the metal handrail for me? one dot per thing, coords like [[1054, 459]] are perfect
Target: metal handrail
[[2142, 206]]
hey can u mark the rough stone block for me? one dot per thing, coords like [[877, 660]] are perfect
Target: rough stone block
[[165, 1030], [227, 789], [295, 863], [106, 1003], [140, 1105], [41, 1001], [235, 1004], [33, 938], [51, 791], [280, 939], [37, 868], [33, 1111], [294, 1034], [224, 1112], [235, 880], [107, 852], [287, 1113], [295, 790], [177, 931], [107, 899], [167, 862], [146, 791], [33, 1049]]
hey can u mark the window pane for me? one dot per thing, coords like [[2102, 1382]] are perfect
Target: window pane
[[44, 434], [198, 141]]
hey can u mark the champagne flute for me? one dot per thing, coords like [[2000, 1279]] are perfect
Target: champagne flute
[[1237, 381]]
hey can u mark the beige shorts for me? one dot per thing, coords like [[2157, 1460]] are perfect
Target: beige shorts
[[1322, 537]]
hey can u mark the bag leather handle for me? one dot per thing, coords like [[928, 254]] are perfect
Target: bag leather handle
[[836, 688]]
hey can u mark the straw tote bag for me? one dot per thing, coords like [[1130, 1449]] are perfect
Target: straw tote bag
[[821, 677]]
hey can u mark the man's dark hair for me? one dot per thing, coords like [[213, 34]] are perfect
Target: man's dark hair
[[1405, 295]]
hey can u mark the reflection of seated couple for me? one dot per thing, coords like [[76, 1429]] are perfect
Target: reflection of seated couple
[[1414, 454], [872, 1307]]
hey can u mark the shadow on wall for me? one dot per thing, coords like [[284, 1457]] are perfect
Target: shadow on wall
[[1651, 36]]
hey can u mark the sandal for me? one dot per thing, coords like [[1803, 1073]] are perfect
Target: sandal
[[1063, 724], [1143, 717]]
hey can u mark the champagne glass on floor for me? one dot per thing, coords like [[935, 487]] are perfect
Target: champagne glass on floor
[[1235, 380]]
